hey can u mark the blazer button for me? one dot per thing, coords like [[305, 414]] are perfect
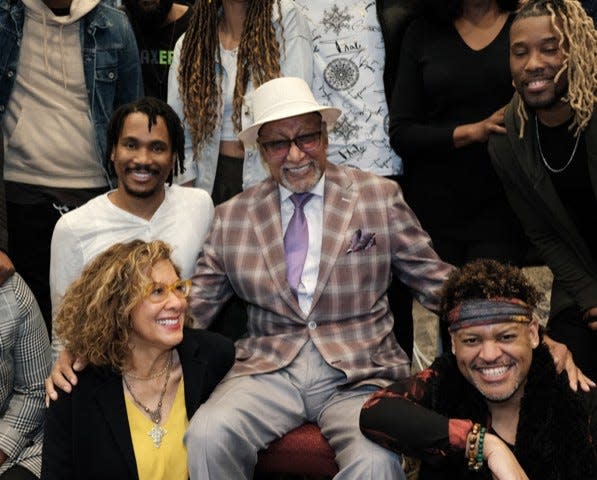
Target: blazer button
[[312, 325]]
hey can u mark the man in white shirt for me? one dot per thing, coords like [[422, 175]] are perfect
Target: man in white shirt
[[145, 147]]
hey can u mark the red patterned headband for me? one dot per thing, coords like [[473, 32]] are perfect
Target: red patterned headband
[[483, 311]]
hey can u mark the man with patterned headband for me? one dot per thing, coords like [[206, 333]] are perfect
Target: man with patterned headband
[[547, 161], [493, 408]]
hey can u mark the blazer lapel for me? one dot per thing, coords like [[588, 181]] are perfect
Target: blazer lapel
[[110, 401], [265, 216], [338, 206], [591, 141], [530, 161], [193, 372]]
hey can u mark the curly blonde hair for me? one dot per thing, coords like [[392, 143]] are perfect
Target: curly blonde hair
[[258, 60], [94, 318], [578, 42]]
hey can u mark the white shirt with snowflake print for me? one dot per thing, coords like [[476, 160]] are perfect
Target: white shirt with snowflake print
[[348, 74]]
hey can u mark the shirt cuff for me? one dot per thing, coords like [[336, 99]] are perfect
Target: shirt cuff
[[458, 430]]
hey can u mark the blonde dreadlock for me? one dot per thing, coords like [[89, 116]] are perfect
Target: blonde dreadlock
[[258, 60], [578, 42]]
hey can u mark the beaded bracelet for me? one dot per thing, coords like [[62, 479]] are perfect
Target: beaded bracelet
[[473, 436], [479, 456]]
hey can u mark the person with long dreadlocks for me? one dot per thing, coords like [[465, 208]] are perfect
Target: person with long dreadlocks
[[228, 50], [548, 160]]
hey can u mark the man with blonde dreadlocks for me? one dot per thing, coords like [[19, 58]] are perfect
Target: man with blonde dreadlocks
[[548, 160]]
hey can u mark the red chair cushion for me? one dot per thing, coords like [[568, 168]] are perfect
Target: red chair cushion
[[303, 450]]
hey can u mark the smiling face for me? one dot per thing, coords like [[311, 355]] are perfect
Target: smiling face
[[535, 60], [159, 325], [496, 358], [143, 158], [298, 170]]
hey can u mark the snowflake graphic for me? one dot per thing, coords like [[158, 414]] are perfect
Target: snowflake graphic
[[345, 129], [335, 19], [341, 74]]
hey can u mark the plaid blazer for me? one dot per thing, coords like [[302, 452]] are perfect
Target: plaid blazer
[[24, 364], [350, 321]]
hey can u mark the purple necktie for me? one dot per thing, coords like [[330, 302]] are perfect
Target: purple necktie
[[296, 241]]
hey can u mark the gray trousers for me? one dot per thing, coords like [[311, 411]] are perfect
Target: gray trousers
[[245, 414]]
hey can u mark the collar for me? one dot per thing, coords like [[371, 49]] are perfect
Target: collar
[[317, 190]]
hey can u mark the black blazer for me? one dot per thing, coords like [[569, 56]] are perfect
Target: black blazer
[[87, 434]]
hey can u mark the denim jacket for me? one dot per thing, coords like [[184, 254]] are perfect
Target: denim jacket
[[110, 61]]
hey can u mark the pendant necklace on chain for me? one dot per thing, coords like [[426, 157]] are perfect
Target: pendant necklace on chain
[[157, 432]]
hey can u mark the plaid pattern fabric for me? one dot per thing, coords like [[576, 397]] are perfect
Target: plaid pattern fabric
[[350, 322], [24, 364]]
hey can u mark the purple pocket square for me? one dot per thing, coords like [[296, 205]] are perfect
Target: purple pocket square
[[361, 241]]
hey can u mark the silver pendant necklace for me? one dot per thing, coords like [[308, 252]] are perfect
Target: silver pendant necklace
[[157, 432], [547, 165]]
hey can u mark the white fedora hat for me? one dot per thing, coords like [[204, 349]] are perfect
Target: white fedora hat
[[282, 98]]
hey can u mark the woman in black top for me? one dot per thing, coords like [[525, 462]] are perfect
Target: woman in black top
[[452, 85]]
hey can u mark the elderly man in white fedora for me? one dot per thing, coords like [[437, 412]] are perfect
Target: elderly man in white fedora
[[311, 249]]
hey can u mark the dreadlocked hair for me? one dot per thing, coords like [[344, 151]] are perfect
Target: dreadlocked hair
[[258, 60], [153, 108], [578, 42]]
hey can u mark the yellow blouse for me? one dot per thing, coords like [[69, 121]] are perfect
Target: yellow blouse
[[169, 461]]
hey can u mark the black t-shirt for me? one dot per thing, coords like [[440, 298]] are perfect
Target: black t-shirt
[[572, 183], [155, 53]]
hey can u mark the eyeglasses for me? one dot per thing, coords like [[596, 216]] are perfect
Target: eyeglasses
[[157, 292], [280, 148]]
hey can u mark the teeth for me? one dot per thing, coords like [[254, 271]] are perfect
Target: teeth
[[142, 175], [537, 83], [494, 371], [167, 321], [298, 170]]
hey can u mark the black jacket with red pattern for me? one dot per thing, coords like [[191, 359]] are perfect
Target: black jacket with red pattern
[[553, 438]]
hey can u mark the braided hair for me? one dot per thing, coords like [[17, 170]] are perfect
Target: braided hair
[[578, 42], [153, 108], [258, 60]]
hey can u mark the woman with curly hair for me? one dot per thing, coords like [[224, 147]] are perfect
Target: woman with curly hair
[[148, 372], [229, 49]]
